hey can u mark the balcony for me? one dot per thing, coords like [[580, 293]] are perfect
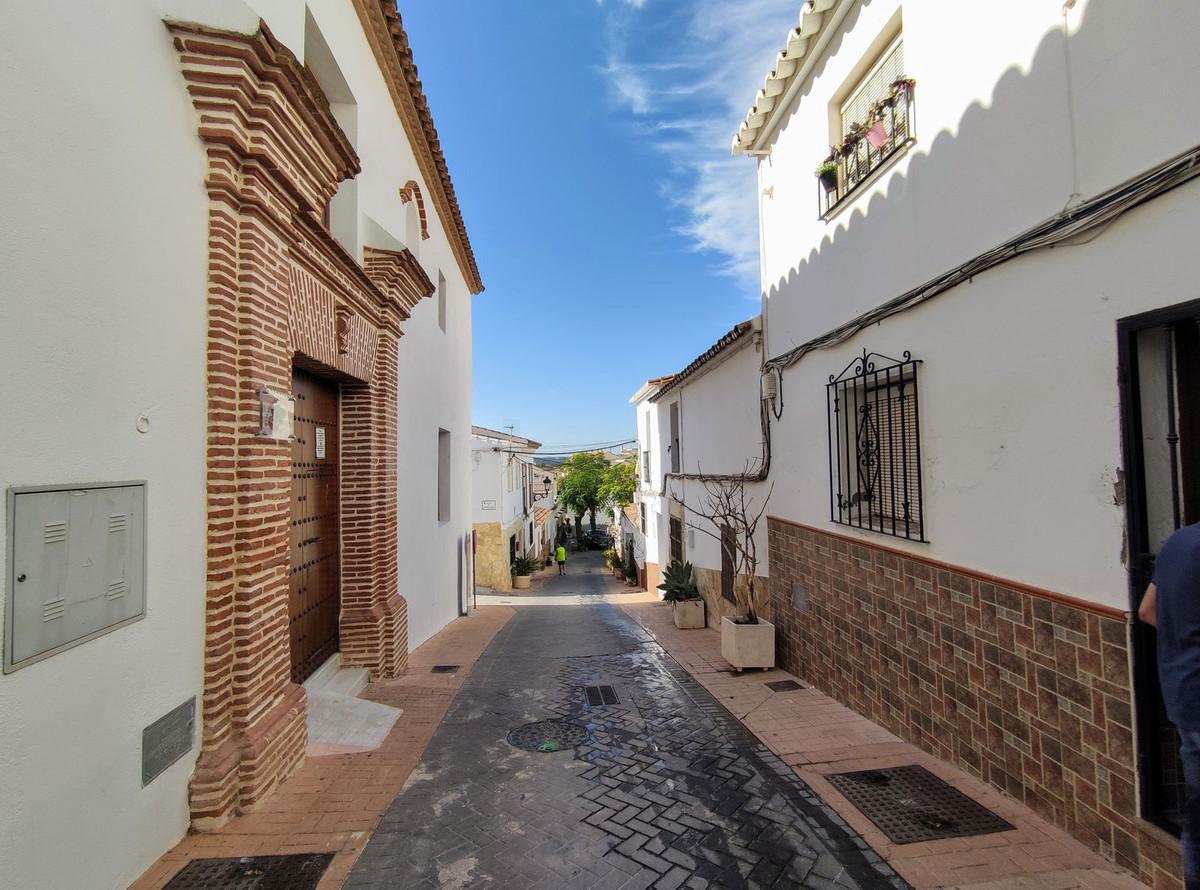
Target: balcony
[[867, 148]]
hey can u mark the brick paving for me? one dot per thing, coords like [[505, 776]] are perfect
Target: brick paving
[[816, 735], [669, 790], [334, 802]]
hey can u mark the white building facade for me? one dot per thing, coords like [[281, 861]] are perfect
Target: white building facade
[[980, 343], [693, 423], [506, 489], [265, 330]]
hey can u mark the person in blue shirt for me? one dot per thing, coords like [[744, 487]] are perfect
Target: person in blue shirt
[[1172, 604]]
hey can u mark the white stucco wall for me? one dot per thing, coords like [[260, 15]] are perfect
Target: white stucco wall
[[434, 366], [1019, 401], [720, 432], [103, 221]]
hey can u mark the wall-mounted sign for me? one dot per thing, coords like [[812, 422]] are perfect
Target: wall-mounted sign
[[276, 412], [320, 443], [489, 505]]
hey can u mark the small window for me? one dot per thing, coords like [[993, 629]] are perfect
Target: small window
[[875, 446], [646, 466], [441, 301], [874, 87], [676, 536], [643, 515], [443, 476]]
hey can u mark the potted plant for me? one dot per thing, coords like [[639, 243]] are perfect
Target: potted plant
[[612, 559], [631, 567], [729, 517], [827, 173], [522, 568], [679, 589]]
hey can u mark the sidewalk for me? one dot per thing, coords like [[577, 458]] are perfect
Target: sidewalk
[[334, 803], [816, 736]]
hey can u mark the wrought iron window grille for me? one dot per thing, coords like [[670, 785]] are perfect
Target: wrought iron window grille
[[869, 147], [875, 446]]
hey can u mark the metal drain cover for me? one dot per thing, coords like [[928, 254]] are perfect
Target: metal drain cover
[[547, 736], [598, 696], [444, 668], [299, 871], [910, 804], [783, 686]]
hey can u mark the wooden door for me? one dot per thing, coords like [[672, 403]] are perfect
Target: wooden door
[[314, 605]]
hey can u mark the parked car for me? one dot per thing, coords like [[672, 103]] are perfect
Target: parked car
[[597, 540]]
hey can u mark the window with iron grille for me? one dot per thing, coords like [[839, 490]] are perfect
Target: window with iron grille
[[642, 510], [676, 536], [875, 446], [874, 122]]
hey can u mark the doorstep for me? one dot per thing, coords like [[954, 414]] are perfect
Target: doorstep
[[333, 804], [817, 735]]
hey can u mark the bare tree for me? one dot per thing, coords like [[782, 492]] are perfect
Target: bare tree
[[726, 506]]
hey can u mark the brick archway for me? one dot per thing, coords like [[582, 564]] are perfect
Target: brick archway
[[282, 290]]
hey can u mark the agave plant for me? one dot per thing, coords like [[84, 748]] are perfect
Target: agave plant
[[678, 584], [523, 565]]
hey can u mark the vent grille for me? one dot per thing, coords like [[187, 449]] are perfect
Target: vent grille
[[54, 609], [116, 590], [118, 522], [599, 696], [55, 533]]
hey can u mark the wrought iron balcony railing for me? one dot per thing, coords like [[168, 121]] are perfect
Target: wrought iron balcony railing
[[869, 148]]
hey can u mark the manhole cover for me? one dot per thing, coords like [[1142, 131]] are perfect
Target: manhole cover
[[547, 736], [910, 804], [783, 686], [444, 668], [598, 696], [300, 871]]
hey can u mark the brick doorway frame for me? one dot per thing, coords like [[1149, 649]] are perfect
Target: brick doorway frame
[[281, 290]]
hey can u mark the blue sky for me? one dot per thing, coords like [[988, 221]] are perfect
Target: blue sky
[[589, 146]]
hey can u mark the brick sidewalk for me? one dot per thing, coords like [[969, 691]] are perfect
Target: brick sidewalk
[[816, 735], [334, 802]]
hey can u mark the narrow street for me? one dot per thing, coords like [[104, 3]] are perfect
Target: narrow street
[[664, 788]]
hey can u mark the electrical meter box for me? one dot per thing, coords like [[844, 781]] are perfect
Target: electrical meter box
[[76, 566]]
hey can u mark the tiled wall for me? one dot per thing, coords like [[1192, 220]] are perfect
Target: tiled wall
[[1027, 690]]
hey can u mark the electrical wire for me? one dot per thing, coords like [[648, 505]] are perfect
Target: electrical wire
[[1089, 218]]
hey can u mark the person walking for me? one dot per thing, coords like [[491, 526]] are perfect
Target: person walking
[[1172, 605], [560, 554]]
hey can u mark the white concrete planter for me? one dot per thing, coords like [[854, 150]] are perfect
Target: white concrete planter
[[689, 614], [520, 582], [748, 645]]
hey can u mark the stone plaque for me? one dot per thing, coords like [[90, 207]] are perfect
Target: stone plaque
[[167, 739]]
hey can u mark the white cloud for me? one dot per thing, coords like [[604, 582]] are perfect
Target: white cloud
[[688, 78]]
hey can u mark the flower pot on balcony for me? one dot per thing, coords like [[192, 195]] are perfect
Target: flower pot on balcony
[[828, 179], [520, 582], [748, 645], [689, 614]]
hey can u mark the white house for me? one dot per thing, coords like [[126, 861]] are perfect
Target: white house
[[505, 486], [981, 359], [239, 434], [695, 422]]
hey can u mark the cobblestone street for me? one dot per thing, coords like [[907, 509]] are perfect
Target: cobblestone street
[[667, 789]]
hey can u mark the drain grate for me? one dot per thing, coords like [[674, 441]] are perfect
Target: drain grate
[[598, 696], [546, 736], [910, 804], [299, 871], [783, 686], [444, 668]]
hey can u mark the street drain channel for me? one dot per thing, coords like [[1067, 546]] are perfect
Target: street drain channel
[[299, 871], [547, 736], [911, 804], [444, 668], [598, 696]]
